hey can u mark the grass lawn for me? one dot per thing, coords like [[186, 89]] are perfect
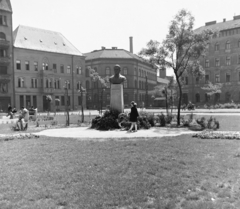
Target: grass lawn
[[168, 173]]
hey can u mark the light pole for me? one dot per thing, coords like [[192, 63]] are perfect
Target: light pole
[[81, 92], [67, 102]]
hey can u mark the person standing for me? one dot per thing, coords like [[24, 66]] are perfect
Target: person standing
[[133, 116]]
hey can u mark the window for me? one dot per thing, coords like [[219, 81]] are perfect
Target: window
[[126, 98], [78, 85], [217, 62], [36, 66], [87, 71], [125, 84], [2, 36], [47, 83], [3, 20], [125, 71], [18, 65], [58, 84], [68, 69], [228, 61], [57, 100], [78, 70], [43, 66], [140, 86], [68, 84], [206, 79], [55, 68], [227, 46], [197, 80], [46, 66], [62, 100], [228, 78], [107, 71], [206, 63], [62, 68], [55, 83], [34, 83], [135, 83], [197, 97], [217, 78], [135, 71], [238, 59], [27, 65], [227, 97], [20, 82], [3, 53], [95, 69], [239, 43], [50, 83], [216, 47]]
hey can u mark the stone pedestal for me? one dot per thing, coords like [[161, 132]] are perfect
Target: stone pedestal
[[116, 96]]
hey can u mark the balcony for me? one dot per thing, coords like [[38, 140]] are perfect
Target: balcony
[[4, 43], [4, 60]]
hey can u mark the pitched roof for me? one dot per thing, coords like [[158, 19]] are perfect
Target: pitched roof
[[113, 54], [5, 5], [220, 26], [110, 53], [43, 40]]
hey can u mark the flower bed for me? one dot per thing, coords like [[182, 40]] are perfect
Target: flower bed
[[18, 136], [217, 135]]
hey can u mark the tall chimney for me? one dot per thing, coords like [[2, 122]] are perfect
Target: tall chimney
[[131, 44]]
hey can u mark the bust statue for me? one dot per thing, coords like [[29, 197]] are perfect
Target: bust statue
[[117, 78]]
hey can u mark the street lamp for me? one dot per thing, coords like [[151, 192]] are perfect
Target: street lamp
[[82, 90], [67, 102]]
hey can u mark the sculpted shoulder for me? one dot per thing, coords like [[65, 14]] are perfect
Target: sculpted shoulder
[[117, 80]]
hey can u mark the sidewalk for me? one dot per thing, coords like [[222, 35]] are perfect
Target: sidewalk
[[84, 133]]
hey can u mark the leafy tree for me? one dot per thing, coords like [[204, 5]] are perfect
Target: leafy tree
[[104, 82], [212, 89], [180, 51]]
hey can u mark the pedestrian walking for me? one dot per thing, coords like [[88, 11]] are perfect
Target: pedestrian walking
[[133, 116]]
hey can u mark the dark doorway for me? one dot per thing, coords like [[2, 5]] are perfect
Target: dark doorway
[[4, 101], [35, 101], [45, 104]]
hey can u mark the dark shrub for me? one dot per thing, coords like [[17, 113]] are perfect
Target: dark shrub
[[162, 120], [150, 117], [107, 121]]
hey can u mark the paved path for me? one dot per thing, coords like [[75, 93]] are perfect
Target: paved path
[[87, 133]]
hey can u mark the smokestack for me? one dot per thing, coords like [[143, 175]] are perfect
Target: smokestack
[[224, 20], [131, 44]]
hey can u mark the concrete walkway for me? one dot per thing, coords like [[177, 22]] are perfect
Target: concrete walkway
[[85, 133]]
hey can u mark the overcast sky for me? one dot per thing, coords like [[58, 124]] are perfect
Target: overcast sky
[[91, 24]]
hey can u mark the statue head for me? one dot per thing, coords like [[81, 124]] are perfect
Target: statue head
[[117, 69]]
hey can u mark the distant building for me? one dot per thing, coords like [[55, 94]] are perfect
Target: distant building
[[141, 76], [46, 63], [222, 64], [6, 56]]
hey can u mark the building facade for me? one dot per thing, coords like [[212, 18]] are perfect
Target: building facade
[[6, 56], [46, 63], [141, 77], [221, 63]]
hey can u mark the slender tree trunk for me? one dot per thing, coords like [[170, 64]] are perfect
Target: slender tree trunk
[[179, 101]]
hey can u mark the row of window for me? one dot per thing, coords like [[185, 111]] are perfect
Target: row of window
[[217, 79], [142, 73], [217, 62], [49, 83], [227, 45], [216, 97], [45, 66]]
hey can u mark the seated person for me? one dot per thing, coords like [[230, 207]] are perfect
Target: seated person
[[10, 111], [23, 118]]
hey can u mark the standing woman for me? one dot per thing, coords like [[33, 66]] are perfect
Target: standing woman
[[133, 116]]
